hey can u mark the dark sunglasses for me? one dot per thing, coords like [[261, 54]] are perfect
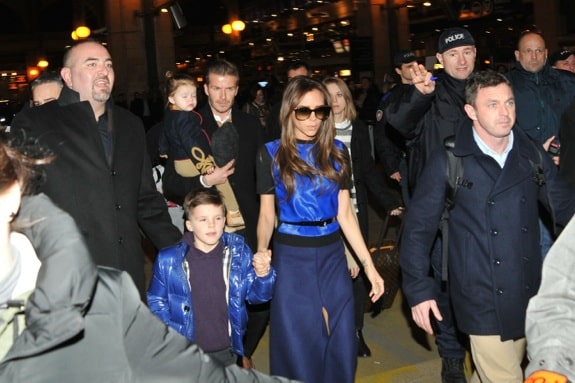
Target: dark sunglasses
[[321, 112]]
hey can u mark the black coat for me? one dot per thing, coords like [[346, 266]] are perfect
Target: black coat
[[541, 99], [273, 129], [426, 120], [367, 177], [243, 181], [110, 203], [494, 253], [389, 142], [567, 153]]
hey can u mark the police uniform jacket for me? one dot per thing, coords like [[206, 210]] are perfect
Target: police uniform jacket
[[389, 143], [426, 120]]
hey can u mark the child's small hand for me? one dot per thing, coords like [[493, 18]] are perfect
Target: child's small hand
[[261, 262], [220, 175]]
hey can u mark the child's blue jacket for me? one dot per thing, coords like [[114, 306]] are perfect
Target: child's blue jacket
[[170, 298]]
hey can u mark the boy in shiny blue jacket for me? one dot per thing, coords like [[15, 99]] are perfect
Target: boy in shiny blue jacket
[[200, 286]]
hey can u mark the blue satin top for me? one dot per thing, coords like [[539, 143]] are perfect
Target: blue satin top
[[312, 200]]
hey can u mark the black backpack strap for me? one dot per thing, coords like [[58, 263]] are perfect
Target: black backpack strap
[[538, 174], [454, 173], [539, 179]]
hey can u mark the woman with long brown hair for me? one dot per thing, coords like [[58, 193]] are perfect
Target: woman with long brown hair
[[306, 174]]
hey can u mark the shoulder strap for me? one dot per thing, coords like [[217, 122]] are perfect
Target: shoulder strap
[[539, 178], [538, 174], [454, 172]]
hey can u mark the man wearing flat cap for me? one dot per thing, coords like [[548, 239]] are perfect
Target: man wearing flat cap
[[429, 111]]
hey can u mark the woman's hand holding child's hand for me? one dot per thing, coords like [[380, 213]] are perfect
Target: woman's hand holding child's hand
[[261, 262]]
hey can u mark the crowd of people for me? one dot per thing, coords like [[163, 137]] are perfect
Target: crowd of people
[[261, 219], [510, 202]]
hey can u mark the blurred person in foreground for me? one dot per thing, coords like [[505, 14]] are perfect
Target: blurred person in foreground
[[550, 323], [86, 324]]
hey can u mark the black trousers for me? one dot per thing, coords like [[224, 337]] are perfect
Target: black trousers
[[451, 343], [258, 319], [360, 285]]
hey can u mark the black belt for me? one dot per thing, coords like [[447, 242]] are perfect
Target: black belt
[[324, 222]]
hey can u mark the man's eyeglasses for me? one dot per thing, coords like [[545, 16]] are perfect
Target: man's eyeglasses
[[303, 113]]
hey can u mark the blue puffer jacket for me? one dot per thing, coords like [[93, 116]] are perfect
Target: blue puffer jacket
[[170, 298]]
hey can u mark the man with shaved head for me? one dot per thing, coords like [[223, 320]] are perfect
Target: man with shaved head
[[542, 95], [101, 174]]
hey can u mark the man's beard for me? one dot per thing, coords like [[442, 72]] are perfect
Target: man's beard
[[101, 96]]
